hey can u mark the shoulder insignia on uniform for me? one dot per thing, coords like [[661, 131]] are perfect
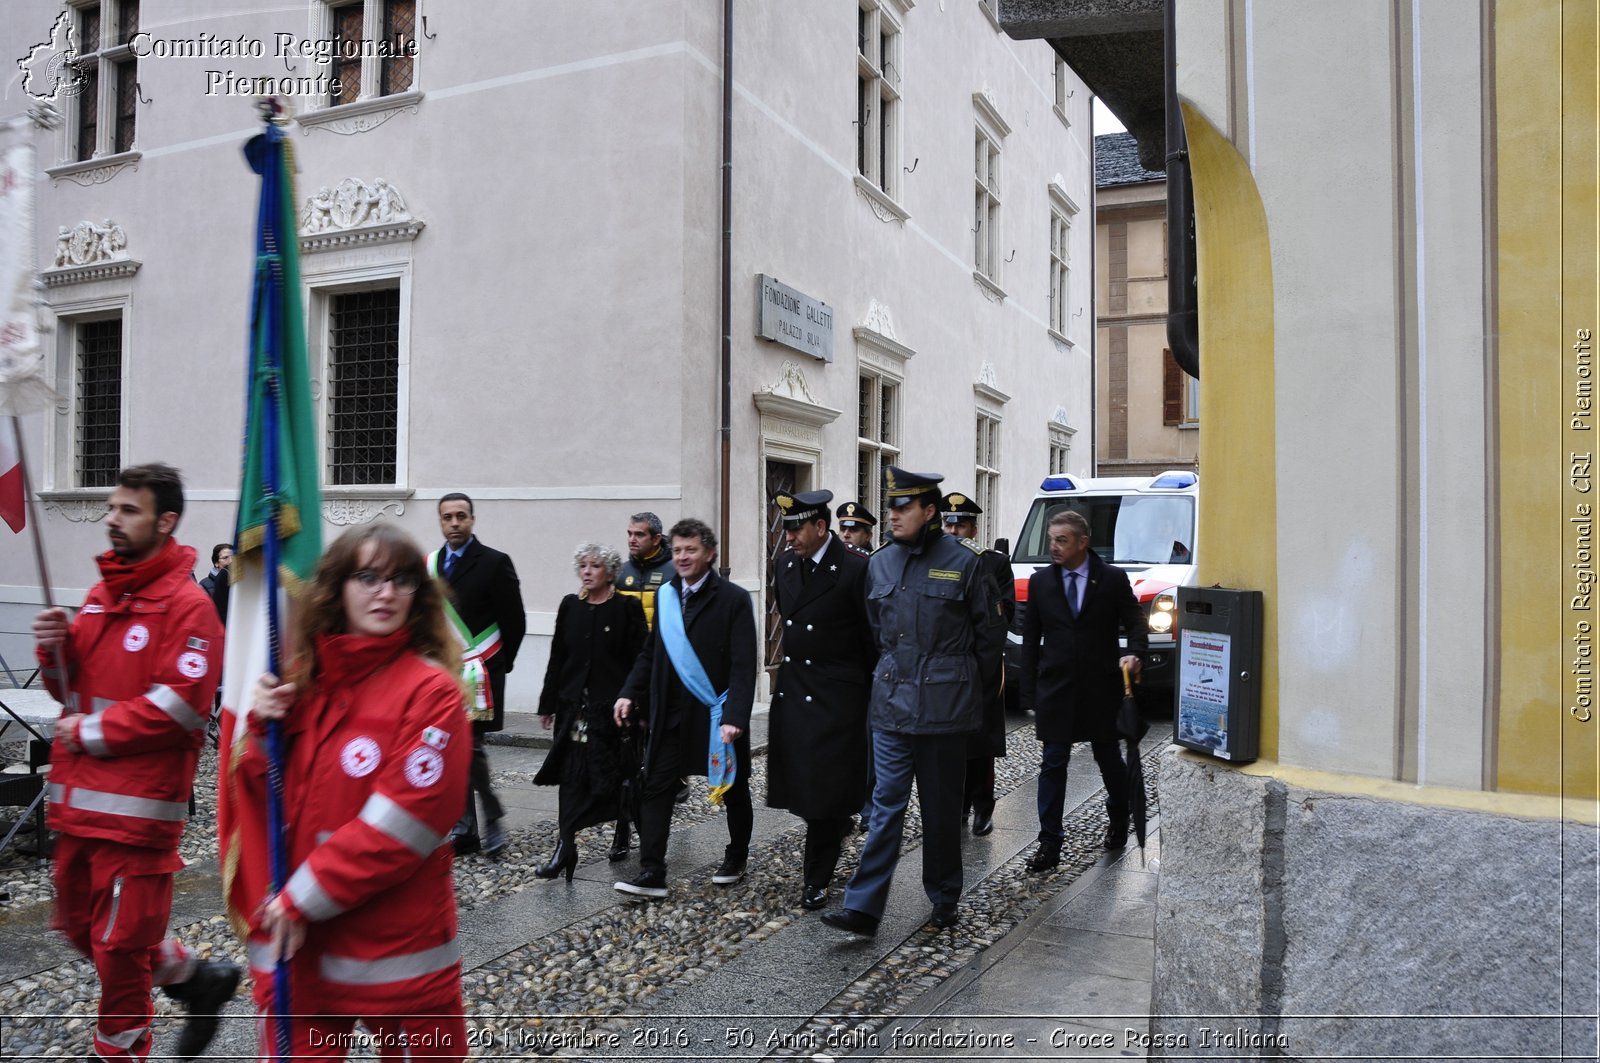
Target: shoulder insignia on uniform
[[971, 544], [944, 573]]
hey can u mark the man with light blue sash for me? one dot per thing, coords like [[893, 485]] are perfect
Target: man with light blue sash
[[694, 685]]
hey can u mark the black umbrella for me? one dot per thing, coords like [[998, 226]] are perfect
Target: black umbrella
[[1131, 727]]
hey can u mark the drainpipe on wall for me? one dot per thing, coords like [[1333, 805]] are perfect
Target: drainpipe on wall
[[727, 277], [1094, 305], [1183, 309]]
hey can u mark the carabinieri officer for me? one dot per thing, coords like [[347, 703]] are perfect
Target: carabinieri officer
[[817, 748]]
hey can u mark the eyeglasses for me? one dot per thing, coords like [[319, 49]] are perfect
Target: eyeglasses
[[405, 583]]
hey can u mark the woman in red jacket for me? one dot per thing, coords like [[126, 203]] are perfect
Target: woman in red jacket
[[376, 759]]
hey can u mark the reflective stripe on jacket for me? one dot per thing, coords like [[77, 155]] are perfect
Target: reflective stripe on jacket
[[144, 669]]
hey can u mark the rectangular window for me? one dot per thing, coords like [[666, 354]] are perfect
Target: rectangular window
[[1063, 94], [987, 253], [988, 474], [363, 387], [97, 420], [878, 421], [358, 77], [106, 79], [1180, 393], [1060, 270], [878, 97]]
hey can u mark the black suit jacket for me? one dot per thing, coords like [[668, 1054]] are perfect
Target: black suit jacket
[[484, 587], [1070, 675], [817, 744], [721, 623]]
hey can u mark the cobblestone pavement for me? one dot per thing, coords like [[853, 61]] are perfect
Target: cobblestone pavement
[[585, 986]]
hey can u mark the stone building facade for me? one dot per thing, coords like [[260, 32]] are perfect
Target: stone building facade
[[511, 247]]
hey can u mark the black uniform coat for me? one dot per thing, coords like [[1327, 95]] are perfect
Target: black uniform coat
[[721, 623], [483, 585], [990, 739], [817, 748], [1070, 675], [590, 656]]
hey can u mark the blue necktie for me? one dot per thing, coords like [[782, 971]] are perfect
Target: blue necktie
[[450, 563], [1072, 594]]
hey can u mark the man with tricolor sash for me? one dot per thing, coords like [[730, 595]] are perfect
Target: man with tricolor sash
[[694, 683], [484, 608]]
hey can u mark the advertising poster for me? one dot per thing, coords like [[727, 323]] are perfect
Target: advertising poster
[[1203, 691]]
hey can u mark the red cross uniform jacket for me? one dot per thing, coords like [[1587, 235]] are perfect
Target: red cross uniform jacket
[[142, 658], [376, 760]]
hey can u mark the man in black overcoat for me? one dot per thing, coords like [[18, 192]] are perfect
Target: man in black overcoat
[[484, 592], [720, 622], [817, 745], [960, 515], [1072, 677]]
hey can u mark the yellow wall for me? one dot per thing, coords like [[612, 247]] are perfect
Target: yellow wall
[[1238, 502], [1544, 154]]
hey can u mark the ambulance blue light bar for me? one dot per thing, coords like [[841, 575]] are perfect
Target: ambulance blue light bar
[[1175, 480], [1058, 483]]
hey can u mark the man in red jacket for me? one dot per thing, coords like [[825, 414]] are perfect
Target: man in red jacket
[[141, 662]]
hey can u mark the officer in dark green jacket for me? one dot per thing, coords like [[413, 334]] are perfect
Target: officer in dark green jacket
[[938, 638]]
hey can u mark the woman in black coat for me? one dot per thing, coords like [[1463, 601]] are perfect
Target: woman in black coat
[[597, 638]]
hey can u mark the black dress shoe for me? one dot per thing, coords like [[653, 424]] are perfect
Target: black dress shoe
[[944, 916], [853, 921], [465, 844], [814, 897], [982, 823], [1045, 858], [1116, 837], [207, 990]]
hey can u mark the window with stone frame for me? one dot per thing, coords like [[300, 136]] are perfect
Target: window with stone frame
[[96, 400], [356, 74], [1063, 94], [363, 387], [878, 438], [105, 85], [987, 253], [878, 51], [1060, 443], [987, 480], [1060, 269]]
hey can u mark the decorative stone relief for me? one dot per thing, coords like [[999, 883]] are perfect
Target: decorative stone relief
[[1060, 417], [94, 175], [77, 510], [344, 512], [789, 400], [363, 117], [986, 376], [990, 290], [879, 321], [791, 384], [356, 212], [87, 242], [87, 252]]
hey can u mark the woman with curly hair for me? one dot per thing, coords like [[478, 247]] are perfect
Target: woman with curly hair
[[598, 636], [376, 750]]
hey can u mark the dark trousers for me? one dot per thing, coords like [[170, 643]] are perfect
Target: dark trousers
[[1053, 785], [936, 763], [824, 838], [977, 795], [670, 762], [478, 785]]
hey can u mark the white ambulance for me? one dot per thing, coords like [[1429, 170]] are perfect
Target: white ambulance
[[1145, 526]]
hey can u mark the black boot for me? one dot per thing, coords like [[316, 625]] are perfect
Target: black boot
[[621, 843], [565, 858], [207, 990]]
